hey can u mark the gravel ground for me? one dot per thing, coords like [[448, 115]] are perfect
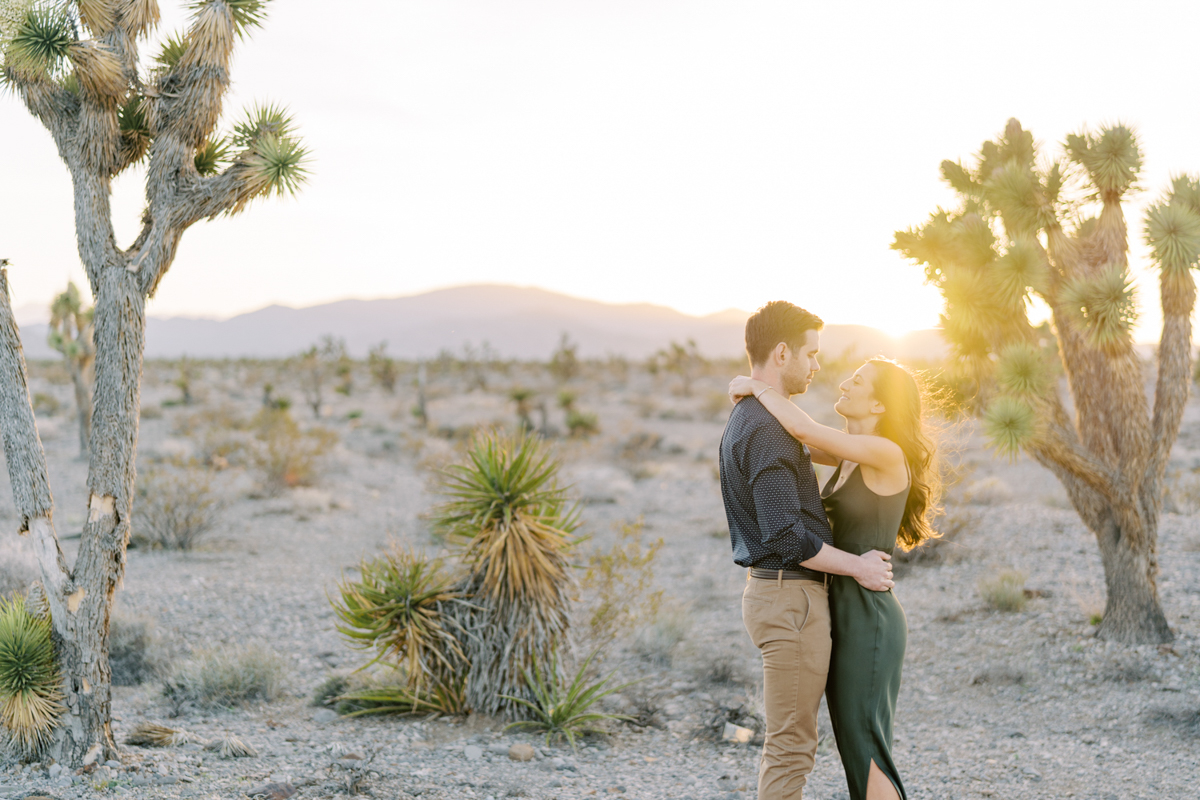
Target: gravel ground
[[1025, 704]]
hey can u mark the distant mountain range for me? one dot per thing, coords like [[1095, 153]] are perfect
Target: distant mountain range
[[515, 322]]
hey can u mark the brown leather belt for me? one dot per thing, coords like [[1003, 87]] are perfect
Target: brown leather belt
[[801, 574]]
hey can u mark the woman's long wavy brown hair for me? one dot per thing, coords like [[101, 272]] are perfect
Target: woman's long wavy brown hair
[[903, 421]]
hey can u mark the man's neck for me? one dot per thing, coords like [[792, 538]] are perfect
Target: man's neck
[[769, 376]]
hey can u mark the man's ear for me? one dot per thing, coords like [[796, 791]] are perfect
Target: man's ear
[[780, 354]]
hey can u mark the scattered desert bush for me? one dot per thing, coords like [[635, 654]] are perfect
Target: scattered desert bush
[[744, 716], [134, 652], [1185, 721], [225, 677], [722, 669], [1182, 495], [174, 509], [582, 424], [383, 367], [30, 683], [564, 363], [45, 405], [657, 641], [561, 708], [327, 692], [619, 583], [286, 455], [988, 492], [176, 506], [1005, 592], [377, 697]]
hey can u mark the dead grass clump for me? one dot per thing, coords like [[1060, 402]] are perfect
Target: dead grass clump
[[134, 652], [286, 455], [722, 670], [744, 716], [175, 508], [227, 677], [1182, 495], [1185, 721], [657, 641], [619, 583], [1005, 592], [1127, 670], [999, 676], [989, 491], [45, 405]]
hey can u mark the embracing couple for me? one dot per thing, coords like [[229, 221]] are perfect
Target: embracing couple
[[818, 600]]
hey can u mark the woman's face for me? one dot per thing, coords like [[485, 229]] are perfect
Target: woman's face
[[858, 395]]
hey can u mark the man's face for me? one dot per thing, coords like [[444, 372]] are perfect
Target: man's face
[[800, 365]]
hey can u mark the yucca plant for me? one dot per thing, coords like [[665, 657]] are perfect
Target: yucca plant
[[1029, 227], [76, 65], [564, 709], [443, 697], [30, 682], [71, 335], [404, 607], [516, 526]]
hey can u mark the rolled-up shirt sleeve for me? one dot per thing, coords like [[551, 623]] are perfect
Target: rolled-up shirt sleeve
[[789, 530]]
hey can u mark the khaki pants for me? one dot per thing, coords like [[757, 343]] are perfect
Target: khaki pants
[[789, 622]]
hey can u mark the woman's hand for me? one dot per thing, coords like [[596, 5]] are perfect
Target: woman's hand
[[741, 386]]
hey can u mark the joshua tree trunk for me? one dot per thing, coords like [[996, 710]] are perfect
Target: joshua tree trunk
[[103, 120], [83, 401]]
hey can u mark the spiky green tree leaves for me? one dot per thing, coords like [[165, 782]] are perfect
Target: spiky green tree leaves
[[30, 682], [1032, 229]]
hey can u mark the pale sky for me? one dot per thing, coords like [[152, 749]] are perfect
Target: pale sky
[[700, 155]]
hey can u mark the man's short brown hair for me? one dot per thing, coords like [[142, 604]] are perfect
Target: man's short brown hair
[[777, 321]]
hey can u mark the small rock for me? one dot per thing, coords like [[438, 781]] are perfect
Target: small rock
[[521, 752], [498, 748], [62, 782], [272, 791], [111, 764], [473, 752], [736, 734], [55, 770], [324, 716]]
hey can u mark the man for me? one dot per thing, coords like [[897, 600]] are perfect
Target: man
[[779, 531]]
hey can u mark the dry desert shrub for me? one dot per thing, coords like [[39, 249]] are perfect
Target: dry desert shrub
[[656, 641], [134, 652], [988, 491], [284, 454], [618, 583], [1182, 495], [226, 677], [45, 405], [175, 508], [1185, 721], [1005, 592]]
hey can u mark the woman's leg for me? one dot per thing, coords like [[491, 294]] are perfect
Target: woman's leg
[[879, 786]]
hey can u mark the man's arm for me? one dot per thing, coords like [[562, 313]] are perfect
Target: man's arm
[[871, 569]]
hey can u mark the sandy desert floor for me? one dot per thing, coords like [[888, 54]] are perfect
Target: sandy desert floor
[[1014, 705]]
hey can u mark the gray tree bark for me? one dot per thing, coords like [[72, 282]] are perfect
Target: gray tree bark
[[178, 113]]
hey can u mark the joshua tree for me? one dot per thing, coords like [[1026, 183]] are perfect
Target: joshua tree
[[684, 361], [564, 363], [382, 367], [71, 335], [1055, 230], [107, 111]]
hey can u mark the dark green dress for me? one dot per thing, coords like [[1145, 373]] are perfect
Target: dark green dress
[[869, 634]]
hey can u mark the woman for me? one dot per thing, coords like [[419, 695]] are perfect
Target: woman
[[881, 494]]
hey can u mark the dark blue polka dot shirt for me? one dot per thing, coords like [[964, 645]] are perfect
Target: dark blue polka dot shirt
[[772, 500]]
